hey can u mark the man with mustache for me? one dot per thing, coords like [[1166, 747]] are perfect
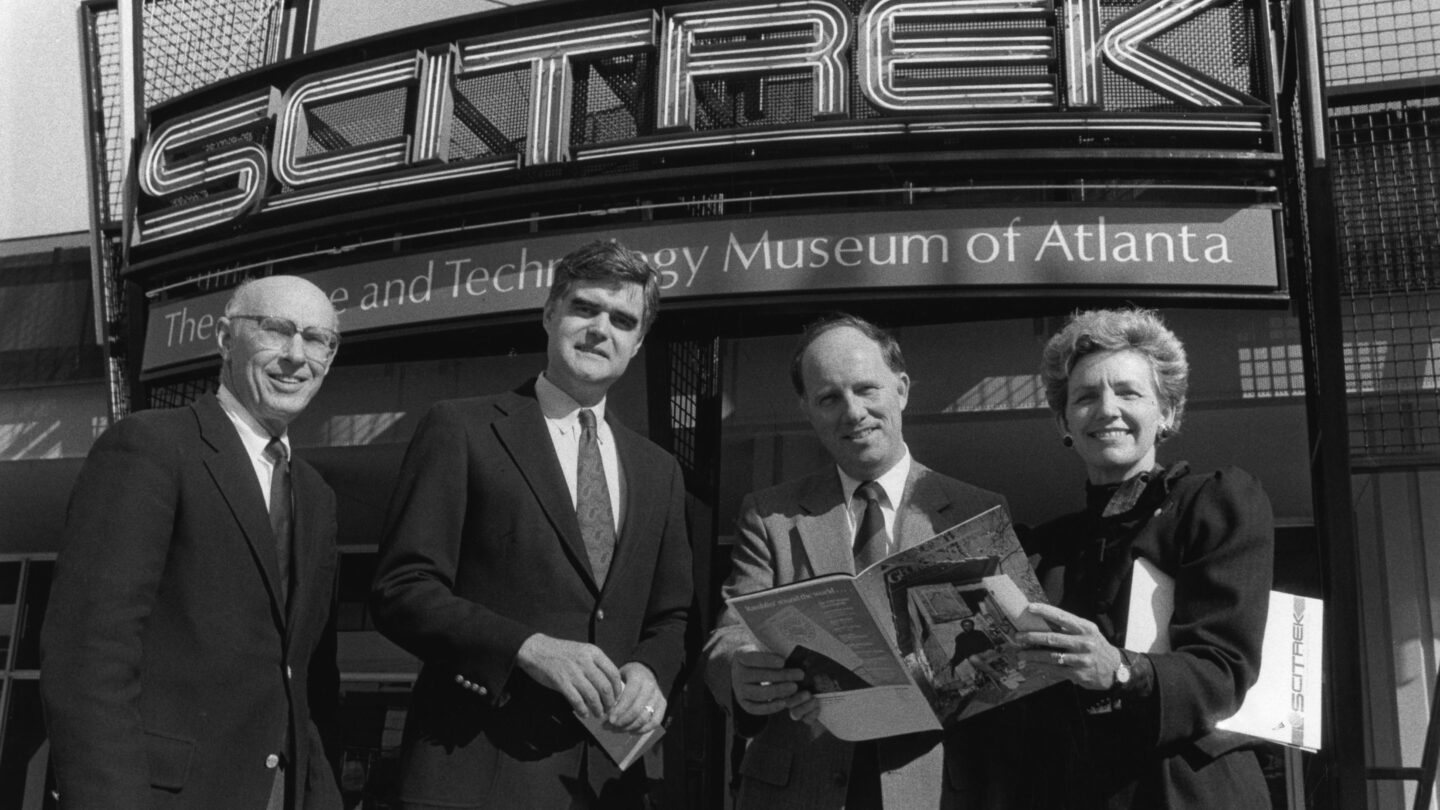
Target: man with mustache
[[536, 559]]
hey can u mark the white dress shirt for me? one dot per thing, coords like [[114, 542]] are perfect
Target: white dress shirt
[[255, 439]]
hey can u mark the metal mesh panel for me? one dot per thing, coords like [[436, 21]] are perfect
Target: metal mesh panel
[[694, 377], [103, 62], [1218, 45], [1387, 180], [191, 43], [187, 44], [612, 101], [1391, 373], [1380, 40], [356, 121], [1387, 184], [175, 393], [491, 111]]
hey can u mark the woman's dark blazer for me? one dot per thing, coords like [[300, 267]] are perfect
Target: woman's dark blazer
[[1214, 535]]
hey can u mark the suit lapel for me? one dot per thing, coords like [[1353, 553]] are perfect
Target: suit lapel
[[306, 544], [637, 481], [824, 527], [523, 434], [924, 508], [234, 476]]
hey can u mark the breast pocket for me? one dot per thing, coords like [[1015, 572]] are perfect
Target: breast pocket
[[169, 760]]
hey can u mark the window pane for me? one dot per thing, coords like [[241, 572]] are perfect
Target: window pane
[[9, 595], [24, 753], [37, 596]]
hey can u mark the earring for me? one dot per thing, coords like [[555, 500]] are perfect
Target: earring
[[1068, 441], [1164, 433]]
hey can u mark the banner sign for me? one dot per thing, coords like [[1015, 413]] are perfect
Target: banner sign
[[1201, 249]]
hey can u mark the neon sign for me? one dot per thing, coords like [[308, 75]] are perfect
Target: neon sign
[[908, 58]]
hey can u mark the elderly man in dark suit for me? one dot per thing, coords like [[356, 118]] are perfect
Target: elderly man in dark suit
[[195, 585], [876, 499], [536, 559]]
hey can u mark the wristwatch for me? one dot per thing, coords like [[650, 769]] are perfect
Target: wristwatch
[[1123, 672]]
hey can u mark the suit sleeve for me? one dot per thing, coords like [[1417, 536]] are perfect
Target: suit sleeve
[[117, 534], [672, 593], [413, 599], [1225, 541], [752, 569]]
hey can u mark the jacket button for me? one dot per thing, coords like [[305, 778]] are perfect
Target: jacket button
[[482, 691], [288, 672], [272, 761], [600, 614]]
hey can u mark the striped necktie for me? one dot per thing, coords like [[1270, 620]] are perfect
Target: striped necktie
[[872, 542]]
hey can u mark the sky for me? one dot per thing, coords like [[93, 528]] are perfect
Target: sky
[[42, 132]]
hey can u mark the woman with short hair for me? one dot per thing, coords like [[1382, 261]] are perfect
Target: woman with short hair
[[1137, 730]]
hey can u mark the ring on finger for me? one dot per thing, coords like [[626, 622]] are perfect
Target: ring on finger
[[649, 710], [1060, 659]]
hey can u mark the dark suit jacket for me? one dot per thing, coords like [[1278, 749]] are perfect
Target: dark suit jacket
[[482, 549], [799, 530], [169, 672]]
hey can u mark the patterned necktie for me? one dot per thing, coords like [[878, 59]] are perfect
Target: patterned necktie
[[280, 510], [592, 501], [872, 542]]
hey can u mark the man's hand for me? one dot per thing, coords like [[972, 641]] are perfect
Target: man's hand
[[764, 685], [580, 672], [641, 706]]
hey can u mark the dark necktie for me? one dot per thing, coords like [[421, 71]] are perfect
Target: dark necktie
[[280, 510], [872, 542], [592, 501]]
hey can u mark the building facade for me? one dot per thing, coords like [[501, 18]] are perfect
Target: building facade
[[966, 178]]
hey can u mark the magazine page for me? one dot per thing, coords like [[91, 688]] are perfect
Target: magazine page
[[955, 604], [825, 628]]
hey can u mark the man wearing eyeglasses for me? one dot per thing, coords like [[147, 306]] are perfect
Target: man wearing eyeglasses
[[187, 625], [536, 559]]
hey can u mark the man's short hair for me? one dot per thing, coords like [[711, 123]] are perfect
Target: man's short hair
[[889, 347], [606, 260]]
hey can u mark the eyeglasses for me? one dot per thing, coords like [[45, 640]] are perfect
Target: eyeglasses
[[319, 343]]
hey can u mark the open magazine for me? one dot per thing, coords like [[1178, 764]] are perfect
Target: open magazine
[[921, 639]]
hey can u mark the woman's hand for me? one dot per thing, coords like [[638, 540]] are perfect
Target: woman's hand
[[1075, 645]]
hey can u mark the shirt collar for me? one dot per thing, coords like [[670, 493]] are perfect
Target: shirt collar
[[558, 406], [251, 432], [892, 481]]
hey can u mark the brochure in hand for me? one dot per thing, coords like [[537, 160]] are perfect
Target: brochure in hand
[[623, 747], [1284, 704], [921, 639]]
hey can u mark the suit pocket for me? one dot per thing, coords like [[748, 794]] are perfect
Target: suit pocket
[[766, 763], [169, 759]]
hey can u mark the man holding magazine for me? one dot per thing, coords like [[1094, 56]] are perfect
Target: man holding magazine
[[875, 500]]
